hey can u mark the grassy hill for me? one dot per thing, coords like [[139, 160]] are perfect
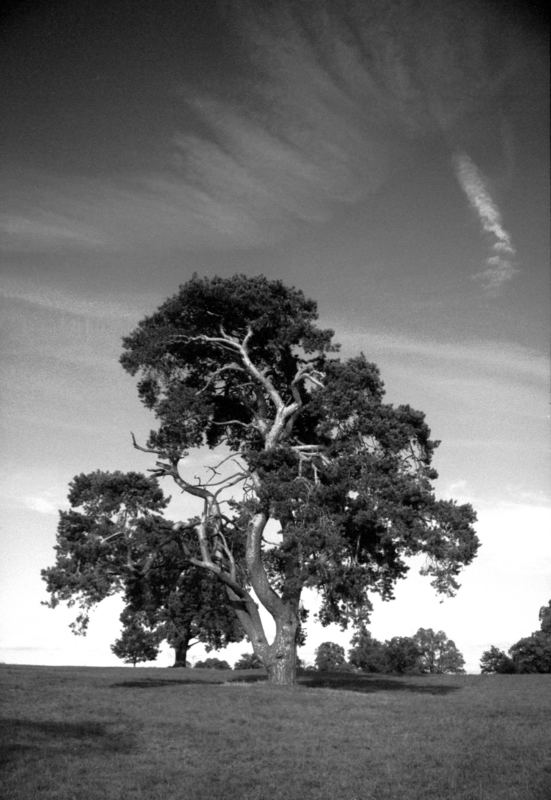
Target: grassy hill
[[174, 734]]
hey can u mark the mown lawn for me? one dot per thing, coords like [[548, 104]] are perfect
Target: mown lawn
[[165, 734]]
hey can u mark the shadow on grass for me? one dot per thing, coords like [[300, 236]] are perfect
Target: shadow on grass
[[49, 737], [326, 680], [158, 683], [368, 684]]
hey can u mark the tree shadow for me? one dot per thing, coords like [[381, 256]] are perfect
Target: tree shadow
[[159, 683], [368, 684], [52, 737], [350, 682]]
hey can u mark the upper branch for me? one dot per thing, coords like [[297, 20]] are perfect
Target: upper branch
[[217, 372], [258, 374]]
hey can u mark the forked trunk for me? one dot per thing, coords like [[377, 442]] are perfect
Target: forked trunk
[[279, 657]]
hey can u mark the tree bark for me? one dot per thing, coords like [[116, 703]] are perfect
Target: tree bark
[[281, 663]]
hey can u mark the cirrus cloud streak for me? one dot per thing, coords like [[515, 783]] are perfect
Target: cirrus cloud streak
[[500, 267]]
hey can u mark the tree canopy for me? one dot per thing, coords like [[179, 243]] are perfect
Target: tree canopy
[[437, 653], [496, 661], [367, 653], [314, 482], [330, 657], [113, 540], [138, 642]]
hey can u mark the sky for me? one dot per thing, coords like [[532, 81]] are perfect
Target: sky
[[388, 158]]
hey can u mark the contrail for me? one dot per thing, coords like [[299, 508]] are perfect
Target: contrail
[[499, 266]]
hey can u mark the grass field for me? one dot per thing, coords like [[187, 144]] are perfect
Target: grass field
[[175, 734]]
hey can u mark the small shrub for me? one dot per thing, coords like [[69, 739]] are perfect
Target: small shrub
[[212, 663], [248, 661]]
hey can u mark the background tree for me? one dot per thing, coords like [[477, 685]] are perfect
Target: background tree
[[188, 604], [403, 656], [367, 653], [301, 439], [530, 654], [248, 661], [330, 657], [438, 654], [137, 642], [114, 541], [533, 653], [495, 660]]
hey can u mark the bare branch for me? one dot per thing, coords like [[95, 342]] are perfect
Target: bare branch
[[257, 374], [229, 555], [225, 483], [216, 373], [143, 449], [112, 536], [223, 576], [196, 491], [231, 481], [231, 457], [237, 422]]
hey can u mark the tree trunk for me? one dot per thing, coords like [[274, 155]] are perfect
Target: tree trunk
[[281, 663], [180, 644]]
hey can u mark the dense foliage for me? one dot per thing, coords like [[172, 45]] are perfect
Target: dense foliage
[[113, 540], [367, 653], [497, 661], [212, 663], [529, 654], [315, 481], [248, 661], [437, 653], [137, 641]]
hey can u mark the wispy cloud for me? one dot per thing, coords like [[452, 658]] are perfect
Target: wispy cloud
[[251, 173], [45, 231], [66, 302], [402, 66], [488, 357], [42, 504], [44, 501], [334, 93], [500, 265]]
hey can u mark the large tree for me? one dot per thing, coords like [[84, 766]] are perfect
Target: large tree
[[314, 480], [114, 540], [304, 440]]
